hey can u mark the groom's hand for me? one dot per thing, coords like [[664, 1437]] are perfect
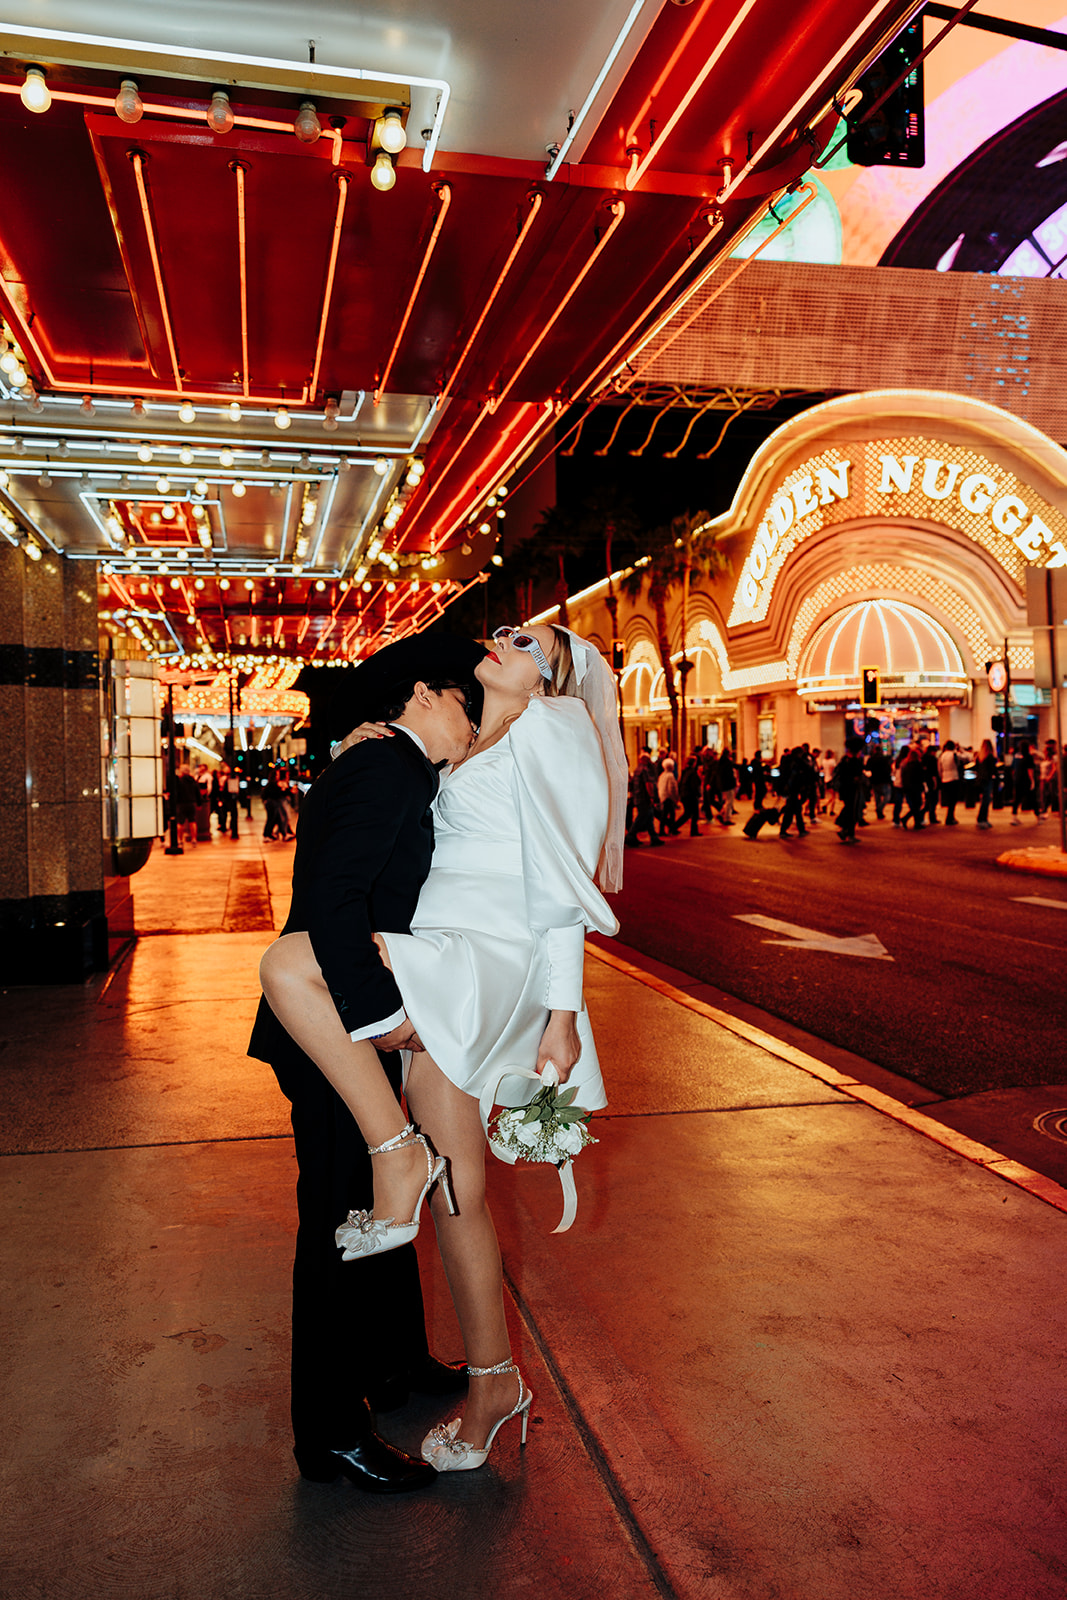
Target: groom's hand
[[402, 1037], [560, 1044]]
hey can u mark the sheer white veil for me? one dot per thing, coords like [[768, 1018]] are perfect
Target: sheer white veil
[[596, 686]]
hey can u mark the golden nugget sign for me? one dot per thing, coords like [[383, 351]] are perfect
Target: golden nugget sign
[[925, 480]]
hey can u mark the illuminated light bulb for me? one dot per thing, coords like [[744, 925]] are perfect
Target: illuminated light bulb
[[491, 500], [219, 114], [390, 132], [87, 408], [297, 569], [8, 361], [35, 93], [367, 587], [483, 527], [186, 412], [320, 585], [414, 584], [239, 489], [412, 479], [33, 550], [200, 487], [309, 513], [129, 107], [436, 587], [501, 491], [168, 512], [224, 583], [162, 568], [175, 583], [426, 564], [185, 456], [249, 584], [139, 409], [307, 126], [199, 584], [498, 561], [390, 588], [205, 538], [18, 377], [163, 485], [144, 452], [282, 419], [270, 571], [233, 411], [225, 458], [383, 173], [501, 513]]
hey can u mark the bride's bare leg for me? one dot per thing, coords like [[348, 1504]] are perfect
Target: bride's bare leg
[[299, 998], [467, 1241]]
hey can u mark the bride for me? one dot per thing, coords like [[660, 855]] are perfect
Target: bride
[[525, 829]]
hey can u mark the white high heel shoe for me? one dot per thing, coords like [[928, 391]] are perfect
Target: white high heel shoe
[[364, 1235], [443, 1448]]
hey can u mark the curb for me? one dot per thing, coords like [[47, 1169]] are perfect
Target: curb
[[981, 1155], [1050, 862]]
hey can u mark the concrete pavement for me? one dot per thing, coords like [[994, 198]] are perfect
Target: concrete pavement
[[793, 1349]]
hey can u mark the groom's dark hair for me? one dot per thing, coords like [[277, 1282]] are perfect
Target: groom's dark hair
[[393, 707]]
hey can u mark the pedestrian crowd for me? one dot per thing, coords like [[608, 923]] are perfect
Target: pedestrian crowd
[[206, 802], [912, 787]]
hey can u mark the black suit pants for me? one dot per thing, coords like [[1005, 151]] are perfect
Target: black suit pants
[[354, 1322]]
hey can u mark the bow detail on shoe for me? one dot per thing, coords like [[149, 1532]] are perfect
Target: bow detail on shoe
[[362, 1234], [445, 1437]]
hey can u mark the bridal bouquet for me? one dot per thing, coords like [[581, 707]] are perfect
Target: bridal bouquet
[[551, 1128]]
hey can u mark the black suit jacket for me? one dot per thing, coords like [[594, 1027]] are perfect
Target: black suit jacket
[[363, 847]]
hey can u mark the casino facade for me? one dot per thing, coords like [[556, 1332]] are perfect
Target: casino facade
[[887, 531]]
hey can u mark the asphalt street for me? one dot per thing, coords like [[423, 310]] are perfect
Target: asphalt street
[[973, 997]]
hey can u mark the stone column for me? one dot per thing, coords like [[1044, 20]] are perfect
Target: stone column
[[52, 926]]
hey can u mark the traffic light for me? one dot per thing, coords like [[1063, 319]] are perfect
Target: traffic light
[[894, 136], [871, 693]]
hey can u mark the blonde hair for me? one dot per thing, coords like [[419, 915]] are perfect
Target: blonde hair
[[564, 678]]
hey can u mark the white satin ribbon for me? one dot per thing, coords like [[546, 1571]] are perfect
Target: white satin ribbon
[[487, 1101]]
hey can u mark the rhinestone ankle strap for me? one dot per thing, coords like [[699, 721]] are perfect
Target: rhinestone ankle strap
[[394, 1143], [491, 1372]]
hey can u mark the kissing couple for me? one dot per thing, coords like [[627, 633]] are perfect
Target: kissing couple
[[448, 864]]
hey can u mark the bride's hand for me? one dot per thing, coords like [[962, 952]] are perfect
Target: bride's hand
[[560, 1044], [366, 730]]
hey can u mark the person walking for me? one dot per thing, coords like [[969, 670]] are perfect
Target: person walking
[[667, 794], [727, 787], [848, 780], [913, 781], [985, 771], [644, 799], [689, 793], [1023, 772], [880, 773], [791, 785], [950, 777]]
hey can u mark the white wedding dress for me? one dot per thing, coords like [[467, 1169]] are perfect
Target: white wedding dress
[[498, 937]]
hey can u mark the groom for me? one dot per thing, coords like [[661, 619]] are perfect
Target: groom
[[363, 848]]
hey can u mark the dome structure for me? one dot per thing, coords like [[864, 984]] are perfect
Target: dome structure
[[915, 656]]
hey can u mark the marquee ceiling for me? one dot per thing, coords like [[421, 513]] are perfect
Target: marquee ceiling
[[175, 290]]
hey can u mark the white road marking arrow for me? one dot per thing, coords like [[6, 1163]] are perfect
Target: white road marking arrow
[[1039, 900], [864, 944]]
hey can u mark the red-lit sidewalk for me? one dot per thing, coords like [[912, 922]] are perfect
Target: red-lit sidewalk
[[793, 1346]]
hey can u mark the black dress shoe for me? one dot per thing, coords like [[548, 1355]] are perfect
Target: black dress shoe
[[370, 1464], [428, 1376]]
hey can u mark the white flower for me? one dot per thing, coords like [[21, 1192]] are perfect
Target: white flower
[[569, 1138], [529, 1134]]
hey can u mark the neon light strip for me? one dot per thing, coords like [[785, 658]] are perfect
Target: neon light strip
[[635, 174], [618, 211], [445, 193], [787, 121], [138, 167], [675, 56], [324, 517], [499, 471], [342, 183], [243, 268], [165, 55], [536, 201], [575, 127]]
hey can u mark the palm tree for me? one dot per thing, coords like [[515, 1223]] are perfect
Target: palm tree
[[674, 551]]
